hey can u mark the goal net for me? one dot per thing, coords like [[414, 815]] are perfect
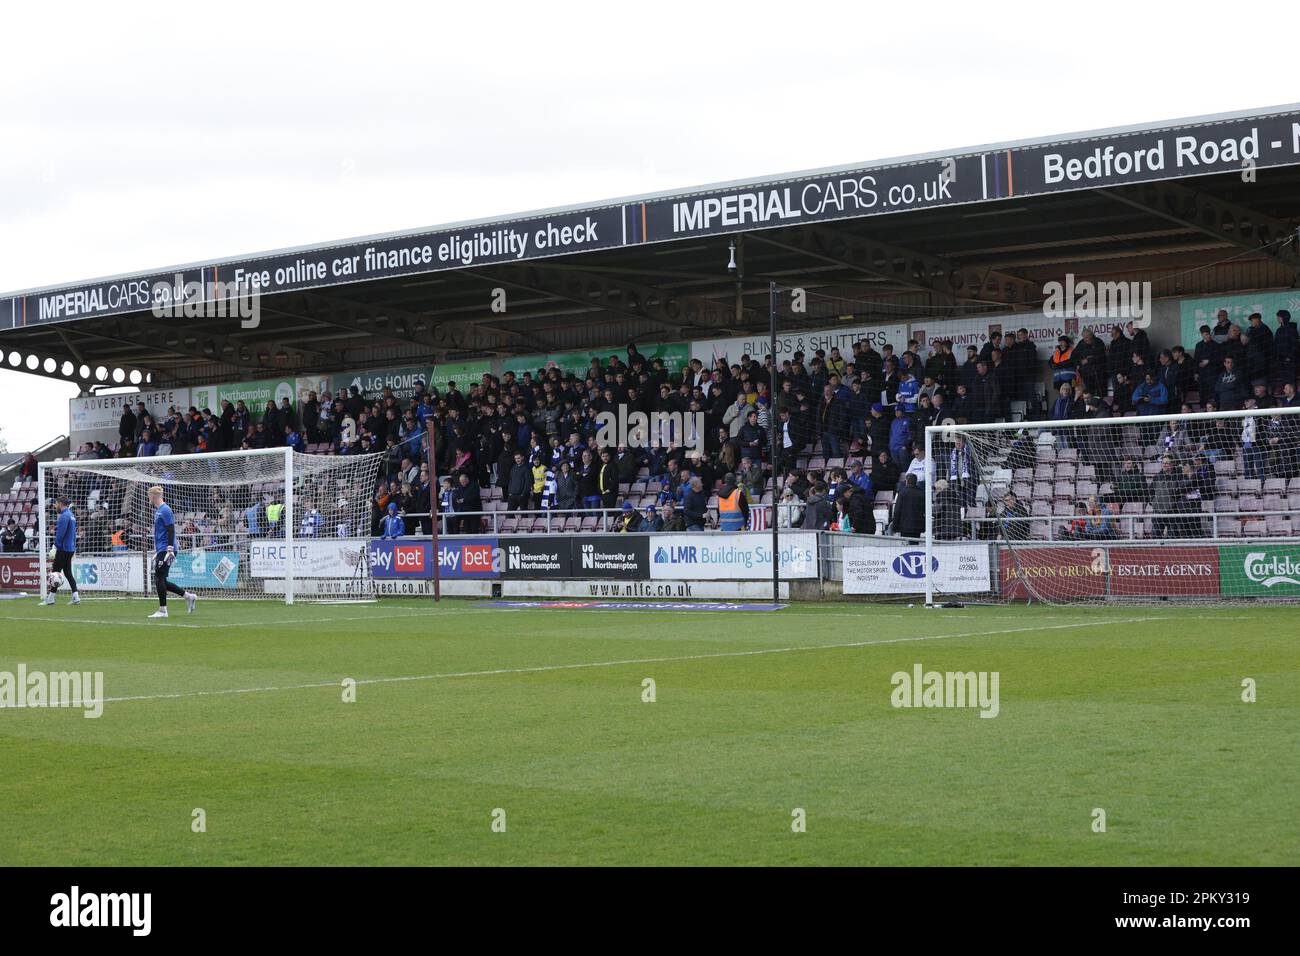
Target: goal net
[[1192, 507], [249, 524]]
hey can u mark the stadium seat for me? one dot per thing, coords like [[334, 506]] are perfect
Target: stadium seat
[[1278, 526], [1274, 503], [1251, 486], [1254, 528], [1275, 486]]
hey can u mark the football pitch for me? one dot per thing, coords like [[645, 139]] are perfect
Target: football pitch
[[483, 736]]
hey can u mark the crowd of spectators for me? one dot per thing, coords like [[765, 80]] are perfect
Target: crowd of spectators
[[848, 427]]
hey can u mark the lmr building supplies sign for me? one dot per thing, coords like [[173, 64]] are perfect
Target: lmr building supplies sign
[[721, 557], [881, 569]]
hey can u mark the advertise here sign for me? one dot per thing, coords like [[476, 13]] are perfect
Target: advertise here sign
[[886, 569], [695, 557], [96, 417]]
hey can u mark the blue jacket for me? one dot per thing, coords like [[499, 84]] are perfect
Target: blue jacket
[[908, 390], [394, 526], [1158, 394], [65, 532], [900, 433]]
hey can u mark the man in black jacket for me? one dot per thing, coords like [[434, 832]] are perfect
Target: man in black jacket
[[466, 498], [909, 509], [862, 516]]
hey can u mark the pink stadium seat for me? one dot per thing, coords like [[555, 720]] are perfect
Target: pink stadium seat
[[1042, 489], [1066, 471], [884, 498], [1225, 467], [1249, 486], [1274, 503], [1225, 503], [1046, 453], [1043, 473], [1067, 454], [1086, 488], [1229, 528], [1249, 503], [1293, 501], [1278, 526], [1063, 489], [1254, 528], [1275, 486], [1227, 486], [590, 523], [1041, 508]]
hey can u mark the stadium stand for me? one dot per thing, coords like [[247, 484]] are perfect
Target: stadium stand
[[526, 443]]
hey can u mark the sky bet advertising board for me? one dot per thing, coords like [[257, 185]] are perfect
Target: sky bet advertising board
[[458, 558]]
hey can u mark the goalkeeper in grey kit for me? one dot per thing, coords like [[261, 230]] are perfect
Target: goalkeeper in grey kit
[[164, 544]]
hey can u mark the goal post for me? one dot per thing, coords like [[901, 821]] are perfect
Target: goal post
[[1198, 506], [265, 523]]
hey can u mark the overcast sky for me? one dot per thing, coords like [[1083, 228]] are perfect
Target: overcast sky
[[180, 132]]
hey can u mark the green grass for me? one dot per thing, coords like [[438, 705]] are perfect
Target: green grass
[[1136, 710]]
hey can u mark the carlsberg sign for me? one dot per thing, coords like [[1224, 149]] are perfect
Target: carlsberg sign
[[1260, 571]]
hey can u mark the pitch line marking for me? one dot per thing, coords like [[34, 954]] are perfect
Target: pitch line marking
[[543, 668]]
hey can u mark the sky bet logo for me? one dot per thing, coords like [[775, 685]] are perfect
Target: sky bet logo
[[471, 558], [408, 557]]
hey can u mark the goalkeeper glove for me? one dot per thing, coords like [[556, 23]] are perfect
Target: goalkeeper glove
[[54, 552], [169, 556]]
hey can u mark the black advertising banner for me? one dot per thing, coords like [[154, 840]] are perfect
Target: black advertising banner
[[355, 261], [528, 557], [532, 557], [611, 556], [1238, 143]]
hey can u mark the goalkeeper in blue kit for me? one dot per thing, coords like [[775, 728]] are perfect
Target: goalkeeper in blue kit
[[164, 545]]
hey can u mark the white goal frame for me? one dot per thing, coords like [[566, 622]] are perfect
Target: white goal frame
[[108, 464], [950, 431]]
